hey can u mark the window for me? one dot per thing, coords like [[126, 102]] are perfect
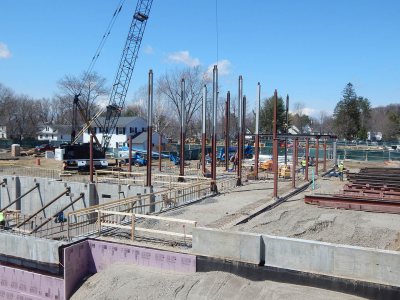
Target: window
[[40, 136], [52, 136], [46, 136], [120, 130], [61, 137]]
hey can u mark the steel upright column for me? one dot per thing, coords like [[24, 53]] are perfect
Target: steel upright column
[[324, 155], [130, 153], [240, 145], [91, 165], [286, 126], [227, 113], [159, 151], [316, 156], [182, 152], [214, 131], [203, 132], [257, 129], [275, 145], [307, 159], [294, 163], [149, 127]]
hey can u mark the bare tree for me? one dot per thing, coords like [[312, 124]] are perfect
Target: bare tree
[[91, 88], [169, 88]]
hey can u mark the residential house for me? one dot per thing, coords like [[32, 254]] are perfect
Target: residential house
[[55, 133], [125, 127], [140, 141], [3, 131]]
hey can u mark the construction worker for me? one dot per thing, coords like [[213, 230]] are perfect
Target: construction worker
[[303, 165], [2, 220], [341, 167]]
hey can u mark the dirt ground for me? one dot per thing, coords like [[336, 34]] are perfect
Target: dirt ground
[[134, 282]]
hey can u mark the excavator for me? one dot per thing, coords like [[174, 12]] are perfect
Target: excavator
[[76, 155]]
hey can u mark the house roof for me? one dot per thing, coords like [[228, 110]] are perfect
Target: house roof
[[57, 128], [122, 121], [140, 138]]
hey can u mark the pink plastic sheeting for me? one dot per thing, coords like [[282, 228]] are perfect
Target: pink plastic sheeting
[[105, 254], [24, 285], [77, 264], [89, 257]]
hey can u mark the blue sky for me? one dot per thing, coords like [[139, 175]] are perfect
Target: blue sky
[[308, 49]]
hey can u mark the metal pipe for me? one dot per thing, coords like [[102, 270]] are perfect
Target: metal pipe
[[257, 131], [316, 156], [91, 167], [286, 126], [20, 197], [149, 129], [214, 131], [334, 153], [307, 159], [275, 147], [240, 145], [294, 163], [227, 113], [67, 190], [130, 153], [324, 155], [81, 195], [203, 132], [182, 152]]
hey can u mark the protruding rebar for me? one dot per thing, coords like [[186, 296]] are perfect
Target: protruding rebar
[[324, 155]]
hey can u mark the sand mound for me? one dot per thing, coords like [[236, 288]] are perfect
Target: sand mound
[[134, 282]]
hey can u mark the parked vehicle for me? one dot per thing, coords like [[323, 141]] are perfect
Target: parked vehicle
[[44, 148]]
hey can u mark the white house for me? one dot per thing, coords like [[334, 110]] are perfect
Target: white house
[[55, 133], [140, 141], [125, 127], [3, 131]]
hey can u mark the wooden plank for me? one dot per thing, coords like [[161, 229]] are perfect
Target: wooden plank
[[164, 232], [165, 219]]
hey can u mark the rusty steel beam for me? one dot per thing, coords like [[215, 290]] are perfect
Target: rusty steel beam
[[91, 165], [275, 146], [130, 154], [294, 162], [324, 155], [182, 146], [227, 113], [316, 156], [307, 159], [203, 131], [352, 203], [149, 129], [240, 136]]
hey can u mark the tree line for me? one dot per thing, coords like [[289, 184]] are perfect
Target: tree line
[[353, 116]]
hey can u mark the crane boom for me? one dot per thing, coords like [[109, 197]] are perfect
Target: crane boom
[[125, 70]]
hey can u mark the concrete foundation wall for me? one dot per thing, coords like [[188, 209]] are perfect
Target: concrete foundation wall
[[29, 251], [244, 247], [379, 266], [49, 189]]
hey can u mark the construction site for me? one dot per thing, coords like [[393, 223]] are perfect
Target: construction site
[[305, 221]]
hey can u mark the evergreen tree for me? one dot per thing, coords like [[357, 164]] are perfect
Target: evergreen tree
[[351, 114], [267, 115]]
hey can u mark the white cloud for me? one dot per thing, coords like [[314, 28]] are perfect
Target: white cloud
[[224, 68], [148, 49], [184, 58], [4, 52], [309, 111]]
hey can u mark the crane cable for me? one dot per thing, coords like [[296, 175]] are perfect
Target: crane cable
[[101, 45]]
